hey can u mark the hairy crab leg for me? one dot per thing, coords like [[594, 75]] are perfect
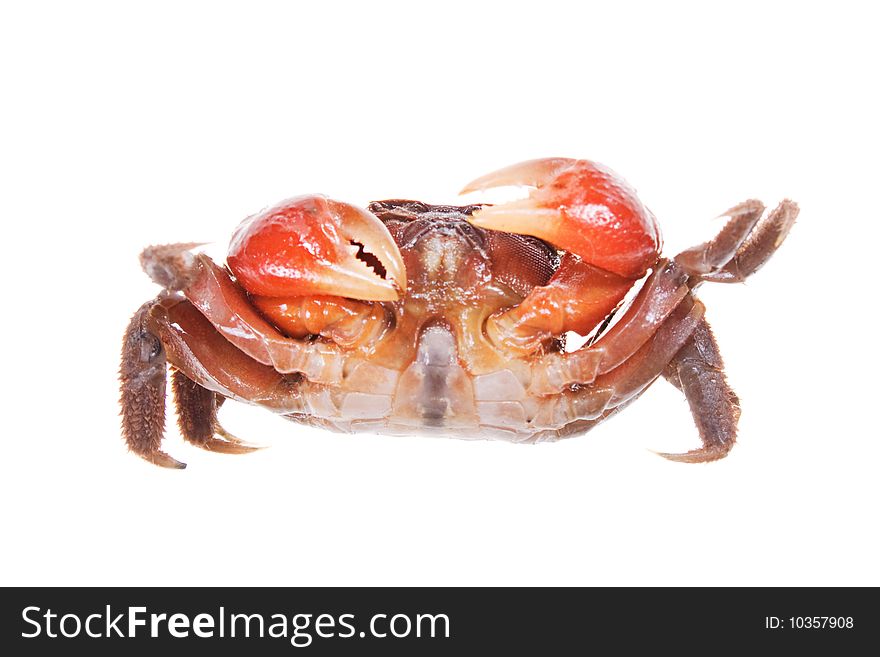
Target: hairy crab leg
[[662, 292], [142, 376], [760, 244], [709, 256], [698, 371], [171, 331], [197, 417]]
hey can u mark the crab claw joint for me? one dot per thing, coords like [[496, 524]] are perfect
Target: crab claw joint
[[312, 245], [579, 206]]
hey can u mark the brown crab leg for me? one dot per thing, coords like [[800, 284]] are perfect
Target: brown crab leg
[[171, 331], [698, 371], [743, 245], [194, 346], [760, 244], [639, 371], [709, 256], [662, 292], [628, 380], [197, 417], [142, 390]]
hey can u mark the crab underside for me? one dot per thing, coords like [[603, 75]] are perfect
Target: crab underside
[[411, 318]]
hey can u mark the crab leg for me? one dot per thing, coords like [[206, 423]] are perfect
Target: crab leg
[[759, 245], [710, 256], [627, 381], [171, 331], [660, 295], [698, 371], [142, 390], [197, 417], [742, 246], [641, 369], [227, 307], [195, 347]]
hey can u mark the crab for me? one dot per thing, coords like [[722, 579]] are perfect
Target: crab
[[413, 318]]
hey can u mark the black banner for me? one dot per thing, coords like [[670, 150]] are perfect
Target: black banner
[[433, 621]]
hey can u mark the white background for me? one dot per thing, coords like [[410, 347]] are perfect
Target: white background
[[126, 125]]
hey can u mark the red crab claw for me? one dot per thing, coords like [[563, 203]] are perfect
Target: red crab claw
[[312, 245], [578, 206]]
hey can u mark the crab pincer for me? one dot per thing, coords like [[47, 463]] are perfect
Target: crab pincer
[[584, 209], [313, 266], [579, 206], [314, 245]]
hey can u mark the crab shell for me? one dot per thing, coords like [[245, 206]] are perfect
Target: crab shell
[[408, 318]]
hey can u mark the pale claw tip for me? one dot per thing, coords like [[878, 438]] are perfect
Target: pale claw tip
[[789, 211], [523, 216], [532, 173], [224, 446], [751, 206], [702, 455], [164, 460]]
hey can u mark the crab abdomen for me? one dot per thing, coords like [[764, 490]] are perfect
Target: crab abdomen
[[432, 394]]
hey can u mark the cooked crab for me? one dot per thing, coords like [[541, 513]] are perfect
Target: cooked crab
[[408, 317]]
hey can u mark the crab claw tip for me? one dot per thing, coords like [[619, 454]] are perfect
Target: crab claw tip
[[226, 446], [532, 173], [375, 266], [164, 460], [526, 216], [523, 216], [702, 455]]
